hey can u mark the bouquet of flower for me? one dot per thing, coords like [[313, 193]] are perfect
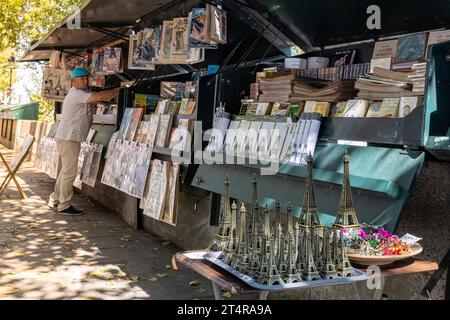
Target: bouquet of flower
[[378, 242]]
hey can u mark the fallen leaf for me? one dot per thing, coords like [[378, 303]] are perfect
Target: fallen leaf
[[133, 278], [161, 275], [227, 294], [153, 279], [168, 266], [194, 283]]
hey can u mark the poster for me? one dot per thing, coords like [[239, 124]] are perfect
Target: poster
[[56, 83], [142, 50]]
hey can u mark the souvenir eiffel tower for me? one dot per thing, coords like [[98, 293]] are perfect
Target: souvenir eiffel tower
[[269, 274], [301, 257], [335, 248], [291, 274], [328, 269], [252, 216], [278, 229], [255, 247], [309, 216], [316, 250], [223, 237], [346, 215], [291, 230], [281, 258], [242, 261], [310, 273], [229, 252], [344, 269]]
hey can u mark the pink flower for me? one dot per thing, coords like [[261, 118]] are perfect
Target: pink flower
[[384, 233], [362, 234]]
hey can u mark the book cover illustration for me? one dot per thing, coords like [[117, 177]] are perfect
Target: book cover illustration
[[374, 110], [411, 48], [171, 204], [142, 53], [141, 170], [168, 89], [166, 41], [218, 31], [356, 108], [146, 101], [93, 164], [342, 58], [97, 61], [385, 49], [162, 107], [179, 138], [179, 46], [112, 60], [56, 83], [338, 109], [77, 183], [199, 33], [408, 104], [190, 107], [165, 125], [142, 132], [127, 114], [134, 123], [153, 129], [158, 185]]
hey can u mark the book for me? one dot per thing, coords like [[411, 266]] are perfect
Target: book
[[341, 58], [252, 108], [389, 108], [338, 109], [385, 49], [142, 53], [199, 29], [323, 108], [374, 110], [408, 104], [127, 114], [142, 132], [262, 109], [146, 101], [112, 60], [179, 138], [179, 45], [158, 184], [438, 37], [218, 30], [166, 41], [183, 105], [190, 107], [384, 63], [91, 135], [174, 107], [162, 107], [97, 61], [134, 123], [355, 108], [295, 109], [411, 48], [168, 89], [165, 125], [153, 129], [171, 204], [309, 106]]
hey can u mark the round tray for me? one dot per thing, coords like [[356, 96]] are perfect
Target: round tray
[[383, 260]]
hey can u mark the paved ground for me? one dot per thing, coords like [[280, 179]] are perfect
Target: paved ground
[[44, 255]]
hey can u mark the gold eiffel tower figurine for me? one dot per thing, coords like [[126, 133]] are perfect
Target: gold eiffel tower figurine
[[309, 216], [344, 269], [310, 273], [255, 247], [242, 261], [269, 274], [346, 215], [231, 248], [223, 237], [291, 274], [328, 269]]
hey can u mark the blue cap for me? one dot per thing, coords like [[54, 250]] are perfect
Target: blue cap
[[79, 72]]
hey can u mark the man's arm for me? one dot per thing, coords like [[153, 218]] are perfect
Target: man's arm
[[105, 95]]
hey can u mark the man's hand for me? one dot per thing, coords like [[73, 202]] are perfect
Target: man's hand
[[105, 95]]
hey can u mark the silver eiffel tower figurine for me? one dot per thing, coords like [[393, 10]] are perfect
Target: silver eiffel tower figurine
[[301, 256], [278, 229], [255, 248], [281, 258], [310, 273], [291, 274], [316, 249], [229, 252], [328, 269], [269, 272], [335, 247], [344, 269], [223, 237], [346, 215], [242, 262]]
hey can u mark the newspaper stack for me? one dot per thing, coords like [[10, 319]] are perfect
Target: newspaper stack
[[334, 91], [278, 89]]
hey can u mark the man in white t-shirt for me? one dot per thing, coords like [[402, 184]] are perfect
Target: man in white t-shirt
[[76, 119]]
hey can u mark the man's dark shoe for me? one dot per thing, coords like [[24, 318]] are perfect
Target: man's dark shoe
[[71, 211]]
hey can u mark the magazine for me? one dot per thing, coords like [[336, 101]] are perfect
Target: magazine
[[134, 123], [198, 27], [142, 53], [112, 60], [97, 61], [128, 113], [179, 47], [218, 31], [166, 41]]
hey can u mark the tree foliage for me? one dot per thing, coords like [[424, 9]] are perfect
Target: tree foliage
[[21, 23]]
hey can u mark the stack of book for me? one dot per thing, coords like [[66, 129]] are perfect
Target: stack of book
[[373, 87], [277, 89], [323, 91], [350, 71], [417, 77]]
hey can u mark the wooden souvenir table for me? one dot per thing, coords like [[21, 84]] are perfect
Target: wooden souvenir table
[[222, 279]]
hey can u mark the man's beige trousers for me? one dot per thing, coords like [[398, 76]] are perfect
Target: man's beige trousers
[[68, 152]]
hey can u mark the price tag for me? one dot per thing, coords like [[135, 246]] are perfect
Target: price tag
[[410, 240]]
